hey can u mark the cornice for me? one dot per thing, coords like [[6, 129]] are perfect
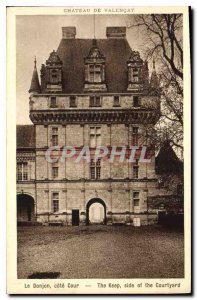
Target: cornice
[[83, 116], [91, 180], [101, 93]]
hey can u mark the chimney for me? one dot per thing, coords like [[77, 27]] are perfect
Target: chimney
[[116, 32], [68, 32]]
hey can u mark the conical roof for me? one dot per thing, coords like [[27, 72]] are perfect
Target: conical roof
[[145, 75], [154, 81], [35, 85]]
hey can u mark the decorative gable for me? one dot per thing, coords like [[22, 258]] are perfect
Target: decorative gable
[[135, 64], [51, 74]]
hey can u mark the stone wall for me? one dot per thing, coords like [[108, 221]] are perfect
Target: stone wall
[[107, 102]]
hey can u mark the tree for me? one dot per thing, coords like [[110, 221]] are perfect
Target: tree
[[163, 40]]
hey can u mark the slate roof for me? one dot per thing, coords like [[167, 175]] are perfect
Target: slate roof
[[73, 51], [35, 85], [25, 136]]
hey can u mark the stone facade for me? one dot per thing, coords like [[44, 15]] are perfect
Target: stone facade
[[64, 191]]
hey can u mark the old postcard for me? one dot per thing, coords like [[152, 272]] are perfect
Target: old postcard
[[99, 124]]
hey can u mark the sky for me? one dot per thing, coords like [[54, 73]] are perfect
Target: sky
[[38, 35]]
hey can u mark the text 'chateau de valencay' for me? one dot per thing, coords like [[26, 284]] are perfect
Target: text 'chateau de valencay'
[[92, 92]]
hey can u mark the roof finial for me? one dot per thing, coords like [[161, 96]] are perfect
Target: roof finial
[[35, 61]]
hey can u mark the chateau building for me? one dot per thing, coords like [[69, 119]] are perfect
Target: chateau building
[[91, 92]]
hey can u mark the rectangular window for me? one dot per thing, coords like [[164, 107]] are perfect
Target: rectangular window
[[98, 169], [95, 169], [91, 101], [54, 172], [54, 136], [95, 136], [55, 202], [95, 101], [135, 75], [135, 169], [116, 101], [95, 73], [54, 76], [92, 169], [25, 175], [73, 101], [19, 171], [22, 172], [136, 201], [135, 137], [53, 103], [136, 101]]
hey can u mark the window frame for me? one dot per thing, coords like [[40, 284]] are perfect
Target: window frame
[[54, 76], [55, 202], [95, 169], [95, 135], [93, 101], [135, 75], [52, 98], [95, 72], [136, 208], [116, 98], [24, 171], [74, 99], [136, 104], [54, 137], [135, 136], [55, 171], [136, 168]]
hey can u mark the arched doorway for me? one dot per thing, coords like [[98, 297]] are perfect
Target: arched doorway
[[25, 208], [96, 212]]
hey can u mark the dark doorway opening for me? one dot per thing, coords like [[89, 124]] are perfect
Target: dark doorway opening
[[25, 208], [92, 201], [75, 217], [161, 217]]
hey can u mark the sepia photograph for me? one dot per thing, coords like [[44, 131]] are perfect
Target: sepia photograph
[[100, 148]]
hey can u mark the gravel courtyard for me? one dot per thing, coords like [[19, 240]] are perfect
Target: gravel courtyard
[[101, 252]]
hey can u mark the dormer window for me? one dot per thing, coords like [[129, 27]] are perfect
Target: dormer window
[[135, 75], [73, 101], [51, 74], [136, 101], [54, 77], [95, 101], [95, 70], [135, 64]]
